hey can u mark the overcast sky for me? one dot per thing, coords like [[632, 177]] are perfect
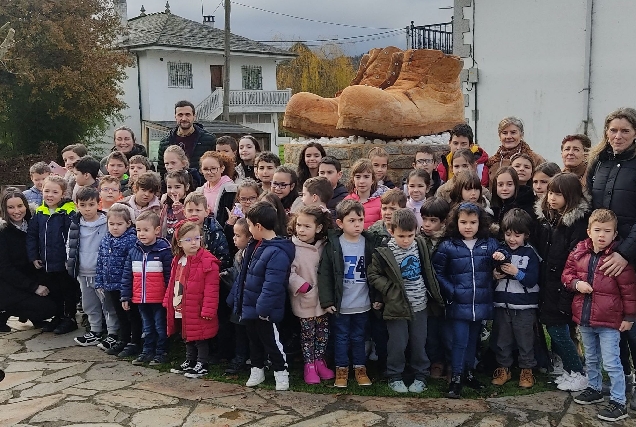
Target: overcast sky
[[379, 16]]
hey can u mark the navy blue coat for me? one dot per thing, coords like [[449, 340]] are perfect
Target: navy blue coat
[[111, 258], [465, 278], [47, 235], [261, 287]]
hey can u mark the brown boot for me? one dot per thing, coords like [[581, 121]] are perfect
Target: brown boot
[[342, 375], [437, 370], [361, 376], [526, 379], [501, 376]]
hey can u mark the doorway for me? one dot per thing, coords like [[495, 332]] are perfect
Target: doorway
[[216, 75]]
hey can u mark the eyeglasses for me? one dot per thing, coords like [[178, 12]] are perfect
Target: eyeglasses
[[190, 239], [280, 184], [247, 199], [425, 161], [110, 190], [213, 170]]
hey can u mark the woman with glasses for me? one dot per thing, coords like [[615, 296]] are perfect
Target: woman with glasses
[[217, 169]]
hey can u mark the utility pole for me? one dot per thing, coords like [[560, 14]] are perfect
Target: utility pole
[[226, 68]]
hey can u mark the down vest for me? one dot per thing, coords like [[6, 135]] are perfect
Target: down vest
[[613, 298], [147, 273], [47, 234], [261, 287], [465, 278], [111, 258], [200, 298]]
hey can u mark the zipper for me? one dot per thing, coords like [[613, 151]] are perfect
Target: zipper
[[472, 262], [143, 277], [586, 312], [46, 229]]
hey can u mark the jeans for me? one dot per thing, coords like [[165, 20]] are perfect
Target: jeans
[[439, 339], [153, 319], [403, 332], [603, 344], [465, 336], [563, 345], [350, 329]]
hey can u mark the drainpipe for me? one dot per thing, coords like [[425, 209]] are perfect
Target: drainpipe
[[587, 66], [141, 111]]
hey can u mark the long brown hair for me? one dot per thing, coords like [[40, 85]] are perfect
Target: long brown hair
[[464, 180], [10, 193], [569, 186], [224, 160], [360, 166]]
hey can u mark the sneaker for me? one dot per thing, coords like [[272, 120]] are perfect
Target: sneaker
[[455, 387], [236, 365], [257, 376], [130, 350], [143, 358], [417, 386], [51, 325], [159, 359], [361, 376], [501, 376], [66, 325], [613, 412], [107, 343], [557, 366], [282, 380], [526, 379], [577, 382], [589, 396], [562, 378], [184, 367], [198, 371], [472, 382], [398, 386], [342, 376], [437, 370], [88, 339]]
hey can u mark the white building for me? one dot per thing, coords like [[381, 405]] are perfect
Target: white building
[[561, 66], [179, 59]]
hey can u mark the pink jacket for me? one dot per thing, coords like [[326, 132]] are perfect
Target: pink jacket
[[305, 269]]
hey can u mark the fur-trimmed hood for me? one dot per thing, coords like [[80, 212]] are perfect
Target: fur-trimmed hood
[[569, 217]]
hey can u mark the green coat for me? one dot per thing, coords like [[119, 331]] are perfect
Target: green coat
[[385, 276]]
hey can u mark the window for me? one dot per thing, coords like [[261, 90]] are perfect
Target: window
[[180, 75], [252, 77]]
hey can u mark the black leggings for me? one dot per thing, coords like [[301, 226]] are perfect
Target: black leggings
[[64, 291], [129, 321], [33, 307]]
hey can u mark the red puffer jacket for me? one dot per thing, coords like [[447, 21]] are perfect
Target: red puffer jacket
[[613, 298], [200, 297]]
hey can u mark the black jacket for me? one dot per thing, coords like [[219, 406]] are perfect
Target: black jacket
[[554, 241], [205, 142], [137, 149], [339, 193], [611, 180], [524, 200]]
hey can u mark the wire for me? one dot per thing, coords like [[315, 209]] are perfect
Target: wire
[[389, 33], [216, 8], [308, 19]]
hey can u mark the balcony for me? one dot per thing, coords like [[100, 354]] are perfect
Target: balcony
[[433, 36], [244, 101]]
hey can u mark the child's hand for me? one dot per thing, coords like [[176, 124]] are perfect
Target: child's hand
[[231, 218], [583, 287], [331, 309], [306, 287], [378, 305], [498, 256], [42, 291], [38, 264], [498, 275], [509, 269], [625, 326], [125, 305]]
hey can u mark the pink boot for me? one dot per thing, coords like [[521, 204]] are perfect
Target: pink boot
[[324, 372], [311, 377]]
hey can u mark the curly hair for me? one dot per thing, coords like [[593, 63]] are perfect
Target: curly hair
[[452, 229], [322, 218], [224, 160]]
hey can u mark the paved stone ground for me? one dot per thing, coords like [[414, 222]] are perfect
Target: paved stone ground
[[52, 382]]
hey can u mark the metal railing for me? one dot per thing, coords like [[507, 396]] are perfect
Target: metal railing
[[212, 106], [433, 36]]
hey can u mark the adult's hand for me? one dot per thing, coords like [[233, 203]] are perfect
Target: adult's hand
[[42, 291], [614, 265]]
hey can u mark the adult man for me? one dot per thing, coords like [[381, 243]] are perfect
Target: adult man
[[462, 138], [188, 135]]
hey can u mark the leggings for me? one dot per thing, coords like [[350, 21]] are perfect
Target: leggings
[[314, 334], [563, 345]]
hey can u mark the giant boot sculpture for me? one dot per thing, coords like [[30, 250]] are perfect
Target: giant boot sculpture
[[312, 115], [425, 99]]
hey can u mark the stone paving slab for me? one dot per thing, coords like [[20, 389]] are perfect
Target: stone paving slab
[[184, 388], [135, 399], [205, 415], [80, 412], [12, 380], [429, 420], [15, 412], [164, 417]]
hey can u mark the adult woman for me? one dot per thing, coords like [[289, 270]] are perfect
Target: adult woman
[[574, 150], [511, 136], [309, 161], [124, 142], [21, 285]]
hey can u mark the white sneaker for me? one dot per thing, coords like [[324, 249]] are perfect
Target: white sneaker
[[577, 382], [560, 379], [257, 376], [282, 380]]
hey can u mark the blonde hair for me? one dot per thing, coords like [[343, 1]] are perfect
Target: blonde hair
[[196, 198], [177, 250], [178, 151], [56, 179], [120, 210], [603, 216]]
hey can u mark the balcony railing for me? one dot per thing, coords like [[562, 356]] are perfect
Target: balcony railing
[[259, 97], [433, 36], [243, 101]]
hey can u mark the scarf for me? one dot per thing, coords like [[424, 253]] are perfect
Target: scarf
[[506, 153], [22, 226], [578, 171]]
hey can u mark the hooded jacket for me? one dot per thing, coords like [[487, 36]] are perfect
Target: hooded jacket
[[378, 229], [520, 292], [33, 195], [147, 273], [305, 269], [205, 141], [153, 205], [224, 200], [524, 200], [554, 241], [372, 207], [200, 300], [215, 241], [111, 258], [481, 157], [84, 239], [260, 289], [47, 235]]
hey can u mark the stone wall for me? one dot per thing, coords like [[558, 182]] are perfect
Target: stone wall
[[401, 156]]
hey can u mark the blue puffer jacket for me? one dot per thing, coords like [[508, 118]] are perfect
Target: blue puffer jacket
[[111, 259], [465, 278], [261, 287], [47, 235]]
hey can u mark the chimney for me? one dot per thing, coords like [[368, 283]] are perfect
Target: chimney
[[208, 20], [121, 8]]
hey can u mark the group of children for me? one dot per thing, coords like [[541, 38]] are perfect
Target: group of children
[[417, 270]]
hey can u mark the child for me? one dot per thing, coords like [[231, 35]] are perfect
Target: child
[[363, 187], [219, 189], [248, 148], [507, 193], [265, 166], [317, 191], [144, 197], [310, 225], [467, 188], [247, 193], [309, 161], [404, 266], [227, 144], [175, 159], [283, 218], [380, 161], [391, 201], [214, 240], [137, 165], [110, 192], [146, 275], [516, 299], [343, 288], [259, 293], [46, 247], [71, 154], [524, 166], [417, 184], [331, 169], [461, 138], [38, 172], [434, 212], [177, 187], [284, 186], [85, 235], [111, 258], [117, 165], [463, 264], [542, 176], [603, 306], [86, 170], [193, 297], [463, 160], [425, 159], [562, 216]]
